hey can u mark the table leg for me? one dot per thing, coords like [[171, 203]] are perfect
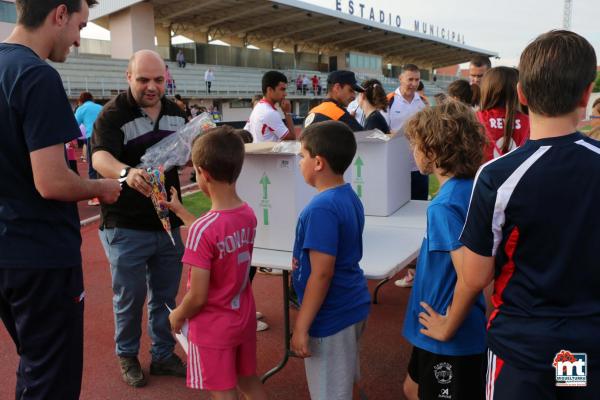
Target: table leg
[[286, 329], [376, 291]]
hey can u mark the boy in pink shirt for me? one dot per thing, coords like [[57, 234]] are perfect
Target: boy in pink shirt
[[219, 303]]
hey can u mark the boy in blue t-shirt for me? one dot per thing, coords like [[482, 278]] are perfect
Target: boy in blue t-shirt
[[331, 286], [447, 141], [532, 227]]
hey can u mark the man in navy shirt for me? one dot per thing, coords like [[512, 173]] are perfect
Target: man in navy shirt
[[41, 284], [533, 227]]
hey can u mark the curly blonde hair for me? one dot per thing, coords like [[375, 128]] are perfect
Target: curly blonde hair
[[450, 137]]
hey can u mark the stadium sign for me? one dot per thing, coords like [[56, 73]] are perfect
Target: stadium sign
[[362, 10]]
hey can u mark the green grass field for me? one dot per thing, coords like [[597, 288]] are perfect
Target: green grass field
[[198, 203]]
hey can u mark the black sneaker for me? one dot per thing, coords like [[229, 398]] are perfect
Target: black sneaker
[[131, 371], [172, 366]]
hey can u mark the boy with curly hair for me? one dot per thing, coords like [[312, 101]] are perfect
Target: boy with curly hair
[[448, 142]]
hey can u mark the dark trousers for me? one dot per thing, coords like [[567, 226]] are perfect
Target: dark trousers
[[42, 309], [419, 186], [208, 84], [92, 174]]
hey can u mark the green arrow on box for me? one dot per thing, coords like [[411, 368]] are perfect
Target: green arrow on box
[[359, 164], [264, 181]]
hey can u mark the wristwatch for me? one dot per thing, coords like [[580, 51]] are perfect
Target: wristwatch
[[124, 172]]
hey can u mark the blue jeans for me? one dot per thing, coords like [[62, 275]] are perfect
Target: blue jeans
[[143, 261]]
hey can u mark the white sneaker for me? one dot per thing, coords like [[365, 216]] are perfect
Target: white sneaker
[[261, 326], [407, 281], [404, 282], [270, 271], [259, 315]]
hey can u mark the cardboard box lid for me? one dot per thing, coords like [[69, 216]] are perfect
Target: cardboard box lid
[[290, 147], [374, 136]]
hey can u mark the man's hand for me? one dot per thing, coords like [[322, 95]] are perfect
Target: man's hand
[[285, 105], [299, 344], [139, 179], [110, 190], [176, 321], [436, 325]]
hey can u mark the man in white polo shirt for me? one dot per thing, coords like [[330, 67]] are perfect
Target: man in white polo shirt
[[265, 123], [403, 103]]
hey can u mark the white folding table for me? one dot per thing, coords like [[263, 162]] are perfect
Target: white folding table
[[389, 244]]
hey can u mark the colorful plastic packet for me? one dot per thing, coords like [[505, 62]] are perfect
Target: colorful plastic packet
[[158, 196]]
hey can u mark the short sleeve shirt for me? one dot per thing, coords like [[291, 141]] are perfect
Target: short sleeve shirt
[[401, 111], [265, 123], [332, 223], [222, 242], [34, 114], [376, 120], [436, 277], [125, 131], [535, 211], [86, 114], [493, 120]]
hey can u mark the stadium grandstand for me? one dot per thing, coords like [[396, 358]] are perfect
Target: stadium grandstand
[[240, 40]]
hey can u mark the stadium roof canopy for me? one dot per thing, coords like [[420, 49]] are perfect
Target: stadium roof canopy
[[293, 22]]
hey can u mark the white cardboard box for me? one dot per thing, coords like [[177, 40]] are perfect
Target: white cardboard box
[[272, 184], [380, 172]]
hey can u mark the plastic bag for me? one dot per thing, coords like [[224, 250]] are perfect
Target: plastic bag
[[175, 149]]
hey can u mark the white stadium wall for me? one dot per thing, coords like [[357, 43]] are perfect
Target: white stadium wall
[[5, 30]]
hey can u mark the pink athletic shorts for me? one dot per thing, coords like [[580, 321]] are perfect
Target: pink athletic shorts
[[218, 369]]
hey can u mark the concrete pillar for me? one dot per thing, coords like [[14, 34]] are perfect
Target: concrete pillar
[[132, 29], [163, 41]]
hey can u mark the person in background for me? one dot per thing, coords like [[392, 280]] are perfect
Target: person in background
[[170, 81], [421, 92], [403, 103], [373, 102], [86, 114], [505, 125], [209, 77], [180, 59], [477, 68], [306, 84], [462, 91], [595, 120], [71, 156], [341, 91], [265, 122]]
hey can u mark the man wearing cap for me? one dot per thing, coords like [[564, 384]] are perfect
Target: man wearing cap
[[341, 89]]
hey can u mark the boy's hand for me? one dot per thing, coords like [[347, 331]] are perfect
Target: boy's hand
[[436, 325], [173, 205], [176, 321], [299, 344]]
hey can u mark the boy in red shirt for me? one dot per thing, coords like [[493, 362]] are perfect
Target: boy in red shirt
[[219, 303]]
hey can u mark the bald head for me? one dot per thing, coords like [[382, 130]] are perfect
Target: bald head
[[143, 57], [146, 78]]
